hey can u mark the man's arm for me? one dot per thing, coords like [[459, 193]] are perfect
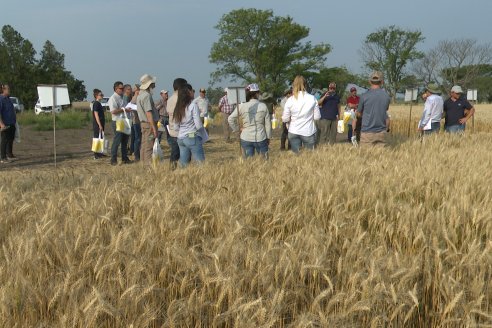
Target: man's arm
[[468, 113]]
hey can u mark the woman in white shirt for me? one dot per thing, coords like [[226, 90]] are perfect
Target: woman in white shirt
[[188, 125], [300, 111]]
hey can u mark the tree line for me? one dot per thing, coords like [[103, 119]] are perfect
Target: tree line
[[257, 46], [22, 70]]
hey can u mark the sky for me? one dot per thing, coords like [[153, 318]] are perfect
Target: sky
[[108, 40]]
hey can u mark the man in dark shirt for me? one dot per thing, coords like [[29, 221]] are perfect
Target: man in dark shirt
[[330, 114], [457, 111], [8, 120]]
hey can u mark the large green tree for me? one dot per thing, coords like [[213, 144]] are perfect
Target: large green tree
[[17, 65], [390, 50], [23, 72], [51, 68], [257, 46]]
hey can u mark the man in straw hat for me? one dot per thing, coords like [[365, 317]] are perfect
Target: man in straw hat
[[457, 111], [373, 108], [148, 115], [433, 108]]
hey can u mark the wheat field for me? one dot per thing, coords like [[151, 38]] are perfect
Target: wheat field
[[338, 237]]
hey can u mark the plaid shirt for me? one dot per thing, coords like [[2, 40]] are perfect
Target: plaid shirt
[[224, 105]]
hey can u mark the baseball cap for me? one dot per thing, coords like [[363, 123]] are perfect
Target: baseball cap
[[253, 87], [164, 91], [352, 89], [376, 76], [456, 89]]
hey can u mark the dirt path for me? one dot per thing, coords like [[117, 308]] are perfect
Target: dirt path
[[73, 148]]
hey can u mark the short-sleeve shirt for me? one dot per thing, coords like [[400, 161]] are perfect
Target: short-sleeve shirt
[[455, 110], [354, 100], [97, 110], [373, 106], [7, 111], [145, 104], [329, 108], [203, 105], [115, 102]]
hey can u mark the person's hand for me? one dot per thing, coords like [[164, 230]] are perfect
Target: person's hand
[[463, 120], [268, 142], [421, 129], [128, 110], [101, 128], [2, 126]]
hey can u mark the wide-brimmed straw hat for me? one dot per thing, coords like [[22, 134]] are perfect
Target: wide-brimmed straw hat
[[146, 80], [433, 88]]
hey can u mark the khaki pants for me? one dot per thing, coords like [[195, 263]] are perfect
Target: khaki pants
[[147, 143], [226, 127], [373, 139], [327, 131]]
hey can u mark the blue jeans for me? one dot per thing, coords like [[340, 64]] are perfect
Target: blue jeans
[[119, 139], [137, 140], [260, 147], [459, 128], [350, 132], [190, 147], [435, 127], [296, 141]]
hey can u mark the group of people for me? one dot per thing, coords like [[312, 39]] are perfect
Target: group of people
[[307, 120], [138, 123], [456, 111]]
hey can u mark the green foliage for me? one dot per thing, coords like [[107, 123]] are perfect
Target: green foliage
[[65, 120], [256, 46], [23, 72], [340, 75], [390, 50]]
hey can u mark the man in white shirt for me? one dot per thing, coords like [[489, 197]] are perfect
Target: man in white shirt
[[115, 104], [203, 105], [430, 121]]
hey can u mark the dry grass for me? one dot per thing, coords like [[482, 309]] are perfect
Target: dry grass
[[341, 237]]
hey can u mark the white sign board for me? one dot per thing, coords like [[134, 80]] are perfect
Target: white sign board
[[45, 93], [234, 92], [472, 95], [411, 94]]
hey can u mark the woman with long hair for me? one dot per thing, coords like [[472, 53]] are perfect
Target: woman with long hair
[[300, 111], [256, 124], [98, 119], [188, 125]]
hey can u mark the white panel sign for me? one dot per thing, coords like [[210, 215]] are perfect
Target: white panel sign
[[411, 94], [234, 92], [472, 95], [45, 93]]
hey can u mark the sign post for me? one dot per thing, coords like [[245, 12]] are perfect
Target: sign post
[[472, 95], [236, 96], [53, 95], [410, 96]]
